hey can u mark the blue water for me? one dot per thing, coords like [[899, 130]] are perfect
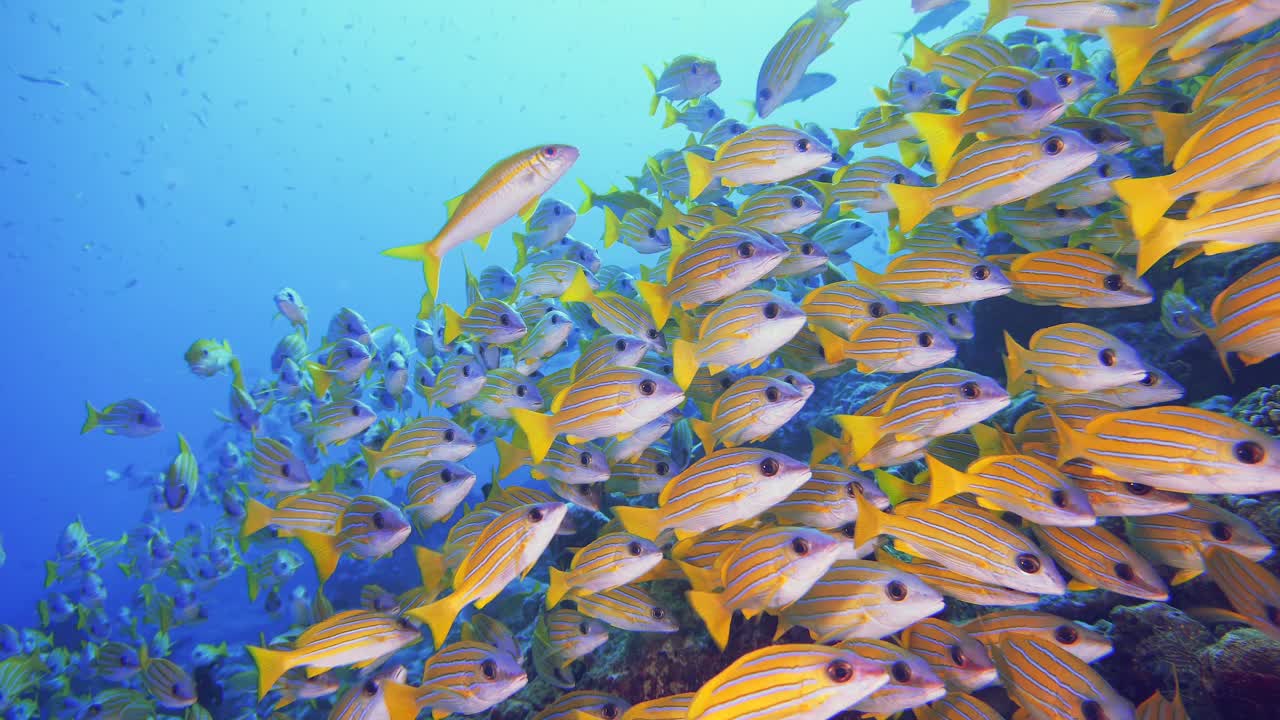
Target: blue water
[[202, 155]]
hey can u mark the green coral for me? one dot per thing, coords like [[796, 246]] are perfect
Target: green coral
[[1261, 409]]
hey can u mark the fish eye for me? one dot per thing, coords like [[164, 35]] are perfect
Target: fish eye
[[901, 672], [449, 435], [925, 339], [355, 411], [958, 657], [584, 458], [726, 382], [877, 309], [797, 202], [549, 151], [1107, 357], [177, 690], [489, 669], [379, 521], [800, 546], [556, 211], [1124, 571], [898, 179], [204, 353], [1104, 170], [1221, 531], [284, 469], [1249, 452], [521, 391], [771, 310], [634, 548], [1095, 135], [1023, 98], [1053, 145], [1058, 498], [619, 345], [584, 628], [896, 590], [840, 671], [806, 249], [535, 514], [1028, 563], [370, 688], [1113, 282], [851, 489], [1179, 107], [504, 319], [802, 145], [446, 475], [1149, 380], [651, 333], [648, 387], [771, 394], [653, 232], [746, 249], [980, 272], [1091, 710], [658, 613], [953, 319], [609, 711], [737, 128], [1066, 634], [466, 370], [971, 390], [769, 467], [693, 68], [947, 104], [1138, 488]]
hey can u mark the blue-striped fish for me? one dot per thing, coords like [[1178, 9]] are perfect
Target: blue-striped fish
[[671, 707], [767, 571], [309, 512], [584, 705], [348, 638], [788, 682], [611, 560], [860, 599], [611, 402], [750, 410], [1249, 218], [996, 172], [967, 540], [638, 230], [628, 608], [909, 89], [506, 549], [961, 59], [1252, 590], [745, 329], [366, 700], [957, 706], [369, 527], [170, 685], [427, 438], [957, 657], [182, 478], [804, 257], [1183, 449], [1073, 356], [1075, 637], [895, 343], [1074, 278], [844, 307], [1050, 683], [860, 185], [336, 422], [937, 277], [1096, 558], [698, 116], [505, 390], [1084, 15], [463, 677], [829, 499], [763, 154], [1246, 316], [778, 209], [726, 486], [1032, 489], [911, 681], [782, 76], [278, 468], [130, 418], [1179, 539], [616, 313], [686, 77], [435, 489]]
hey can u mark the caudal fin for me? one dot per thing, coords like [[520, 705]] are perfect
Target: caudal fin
[[558, 588], [320, 378], [944, 480], [1132, 48], [271, 665], [942, 133], [538, 428], [913, 204], [713, 611], [703, 429], [91, 419], [1165, 237], [510, 458], [655, 296], [372, 460], [684, 362], [1147, 200], [700, 173], [997, 11], [439, 616], [645, 522], [452, 324], [400, 700], [323, 550], [864, 430], [1014, 362], [256, 517]]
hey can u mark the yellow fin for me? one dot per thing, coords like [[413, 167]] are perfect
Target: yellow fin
[[538, 428], [717, 616]]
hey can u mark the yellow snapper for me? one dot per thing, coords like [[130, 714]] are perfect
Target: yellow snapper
[[763, 154], [745, 329]]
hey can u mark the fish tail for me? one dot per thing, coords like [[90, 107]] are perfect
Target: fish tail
[[942, 133], [1175, 128], [912, 152], [990, 440], [579, 289], [431, 273], [1147, 199], [913, 204], [50, 572], [923, 57], [866, 431], [254, 583], [271, 665], [287, 698], [944, 480], [510, 457], [1014, 359], [1070, 442], [870, 521], [256, 517], [1163, 238], [440, 615], [452, 324], [323, 550], [684, 361], [430, 567], [538, 428], [845, 139], [589, 199], [997, 11], [426, 306], [655, 296], [645, 522], [522, 250], [713, 611], [92, 417], [612, 228], [700, 173], [558, 587], [372, 460], [1212, 333], [824, 445], [894, 487], [1132, 48], [401, 700], [833, 346], [703, 430], [897, 241], [672, 116], [237, 375], [320, 379]]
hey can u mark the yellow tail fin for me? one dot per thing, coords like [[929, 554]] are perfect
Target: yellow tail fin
[[579, 289], [372, 460], [271, 665], [684, 360], [700, 173], [1070, 442], [1132, 48], [645, 522], [869, 524], [400, 700], [320, 378], [717, 616], [865, 430], [430, 568], [256, 517], [612, 228], [944, 480], [91, 419], [997, 11], [1147, 199], [942, 133], [703, 429], [452, 324], [538, 428], [655, 296], [323, 550], [439, 616], [833, 346], [510, 458], [824, 446], [1165, 237], [558, 588], [672, 116], [1175, 128], [1014, 359], [913, 204]]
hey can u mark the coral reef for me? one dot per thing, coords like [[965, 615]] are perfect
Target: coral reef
[[1241, 676], [1261, 409]]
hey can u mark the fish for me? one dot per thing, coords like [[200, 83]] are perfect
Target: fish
[[939, 277], [427, 438], [1074, 357], [1083, 15], [763, 154], [956, 706], [182, 479], [685, 78], [745, 329], [207, 358], [1049, 682], [860, 599], [1252, 590], [1023, 485], [894, 343], [671, 707], [627, 607], [609, 561], [616, 313], [1075, 278], [278, 468], [954, 655], [1098, 559], [462, 677], [750, 410], [490, 321], [131, 418], [1075, 637], [1244, 318], [828, 500], [782, 76], [860, 185], [797, 682], [1178, 538], [911, 681], [935, 18], [514, 185]]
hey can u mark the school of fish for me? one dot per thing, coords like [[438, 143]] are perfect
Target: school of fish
[[1053, 159]]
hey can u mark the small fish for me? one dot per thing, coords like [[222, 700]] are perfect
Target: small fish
[[750, 410], [698, 116], [207, 358], [671, 707], [939, 277], [289, 304], [828, 500], [908, 89], [763, 154], [894, 343], [957, 657], [117, 661], [957, 706], [1084, 15], [911, 681], [685, 78], [628, 608], [1088, 187], [1252, 590], [616, 313], [961, 59], [506, 390], [860, 599], [1020, 484], [463, 677], [795, 682], [1245, 318], [745, 329], [1075, 278], [346, 362], [347, 638], [1178, 539], [1098, 559], [782, 76], [490, 321], [460, 379], [1074, 357], [182, 478], [861, 185], [609, 561], [168, 683], [1075, 637], [1050, 682], [779, 209], [130, 418], [336, 422], [278, 468], [309, 512]]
